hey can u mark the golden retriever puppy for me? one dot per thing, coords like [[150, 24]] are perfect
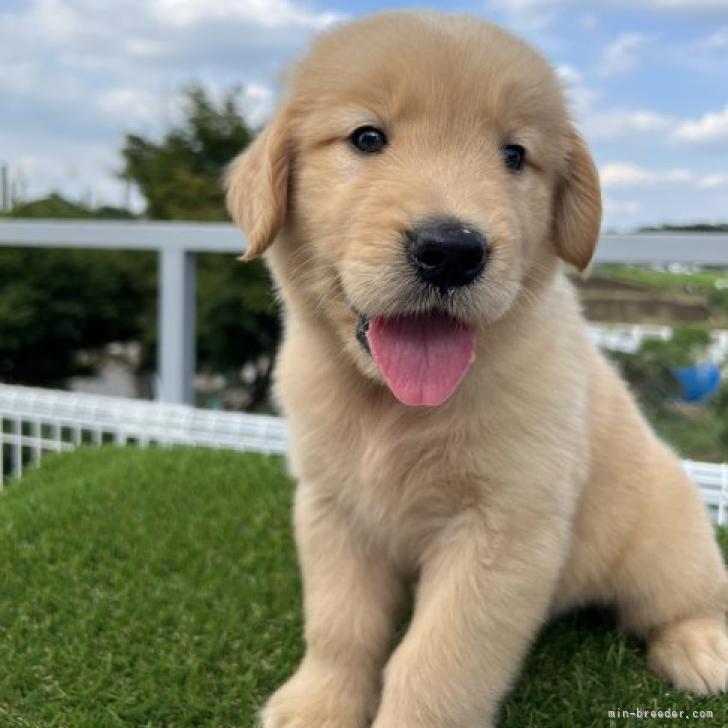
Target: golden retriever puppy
[[453, 430]]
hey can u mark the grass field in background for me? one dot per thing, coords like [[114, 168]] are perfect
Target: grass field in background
[[699, 282], [706, 286], [159, 588]]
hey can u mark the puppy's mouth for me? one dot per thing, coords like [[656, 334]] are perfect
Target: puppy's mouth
[[422, 357]]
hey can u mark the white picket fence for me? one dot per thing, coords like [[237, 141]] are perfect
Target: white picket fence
[[37, 421], [712, 479]]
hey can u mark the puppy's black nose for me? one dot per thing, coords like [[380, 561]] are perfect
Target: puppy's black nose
[[446, 253]]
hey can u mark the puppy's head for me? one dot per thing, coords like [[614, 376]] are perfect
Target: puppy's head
[[420, 177]]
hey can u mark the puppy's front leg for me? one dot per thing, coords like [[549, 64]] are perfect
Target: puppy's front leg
[[482, 596], [351, 597]]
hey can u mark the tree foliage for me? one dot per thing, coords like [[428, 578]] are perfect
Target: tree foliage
[[180, 178], [55, 305], [58, 207], [179, 175]]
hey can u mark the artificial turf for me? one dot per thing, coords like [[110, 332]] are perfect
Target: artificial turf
[[159, 588]]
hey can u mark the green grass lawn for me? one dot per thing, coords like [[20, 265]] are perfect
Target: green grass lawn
[[159, 588]]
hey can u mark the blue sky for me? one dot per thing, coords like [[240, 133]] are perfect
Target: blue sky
[[647, 80]]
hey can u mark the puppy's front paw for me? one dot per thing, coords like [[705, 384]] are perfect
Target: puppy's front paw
[[312, 700], [692, 654], [318, 710]]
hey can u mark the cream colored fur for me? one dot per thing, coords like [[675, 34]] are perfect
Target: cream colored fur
[[538, 485]]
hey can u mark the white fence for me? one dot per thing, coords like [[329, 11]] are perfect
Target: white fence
[[628, 338], [37, 421], [712, 480]]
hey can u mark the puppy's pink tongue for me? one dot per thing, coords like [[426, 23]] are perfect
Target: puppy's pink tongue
[[422, 358]]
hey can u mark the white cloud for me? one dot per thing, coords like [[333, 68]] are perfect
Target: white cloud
[[530, 15], [539, 14], [621, 55], [665, 5], [626, 174], [135, 106], [635, 196], [617, 208], [582, 97], [656, 125], [718, 39], [569, 75], [522, 6], [264, 13], [712, 181], [77, 74], [610, 122], [711, 127], [258, 102], [614, 123], [707, 54]]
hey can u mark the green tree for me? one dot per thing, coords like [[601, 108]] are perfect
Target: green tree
[[180, 179], [179, 175], [56, 304], [58, 207]]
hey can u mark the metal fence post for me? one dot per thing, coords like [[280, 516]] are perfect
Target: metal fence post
[[176, 325]]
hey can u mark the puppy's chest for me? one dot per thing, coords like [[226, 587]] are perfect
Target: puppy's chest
[[398, 477], [398, 492]]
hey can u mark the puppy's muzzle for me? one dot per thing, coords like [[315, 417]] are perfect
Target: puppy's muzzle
[[446, 253]]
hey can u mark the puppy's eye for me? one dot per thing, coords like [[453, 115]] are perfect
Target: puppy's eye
[[368, 139], [513, 156]]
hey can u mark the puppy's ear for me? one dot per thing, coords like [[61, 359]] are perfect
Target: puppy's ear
[[257, 185], [578, 213]]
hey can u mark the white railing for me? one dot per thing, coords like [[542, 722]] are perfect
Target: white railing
[[34, 422], [37, 421], [177, 244], [628, 338], [712, 479]]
